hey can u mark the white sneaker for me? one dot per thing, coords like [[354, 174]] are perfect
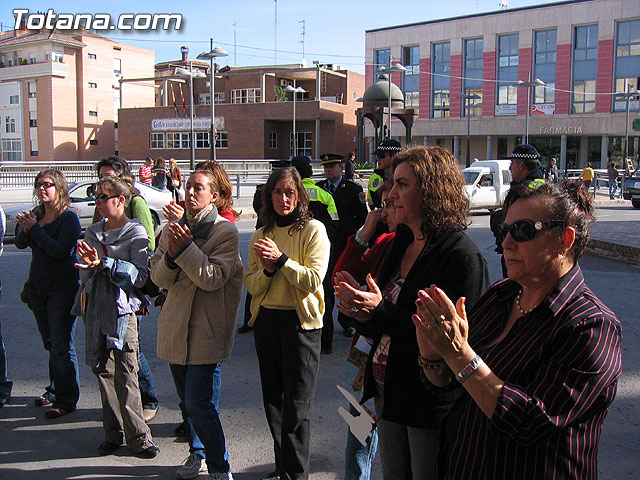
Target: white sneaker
[[220, 476], [192, 467]]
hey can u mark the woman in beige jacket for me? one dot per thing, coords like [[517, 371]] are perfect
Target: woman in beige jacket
[[198, 262]]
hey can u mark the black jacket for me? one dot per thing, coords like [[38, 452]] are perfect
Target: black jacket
[[454, 263]]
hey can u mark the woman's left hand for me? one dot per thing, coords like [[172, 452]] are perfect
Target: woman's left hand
[[88, 255], [26, 220], [356, 303], [268, 252], [440, 322], [172, 211]]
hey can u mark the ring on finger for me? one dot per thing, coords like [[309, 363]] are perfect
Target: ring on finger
[[354, 309], [440, 319]]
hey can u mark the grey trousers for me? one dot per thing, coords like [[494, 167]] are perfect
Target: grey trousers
[[120, 392]]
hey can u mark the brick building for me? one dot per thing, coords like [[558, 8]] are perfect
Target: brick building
[[59, 93], [250, 121], [587, 53]]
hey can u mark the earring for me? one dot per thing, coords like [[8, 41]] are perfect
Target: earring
[[561, 261]]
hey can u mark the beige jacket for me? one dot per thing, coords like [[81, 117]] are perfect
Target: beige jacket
[[197, 323]]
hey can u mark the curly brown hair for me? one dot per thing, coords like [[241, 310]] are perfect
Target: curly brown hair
[[62, 201], [225, 198], [440, 183], [268, 213]]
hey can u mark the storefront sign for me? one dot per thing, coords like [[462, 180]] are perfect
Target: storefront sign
[[506, 110], [543, 109], [184, 124], [575, 130]]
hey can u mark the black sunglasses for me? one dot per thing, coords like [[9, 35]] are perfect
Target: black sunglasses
[[525, 230], [103, 197]]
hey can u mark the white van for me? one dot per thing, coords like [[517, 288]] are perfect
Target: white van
[[487, 183]]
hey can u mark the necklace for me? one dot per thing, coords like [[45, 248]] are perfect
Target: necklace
[[520, 309]]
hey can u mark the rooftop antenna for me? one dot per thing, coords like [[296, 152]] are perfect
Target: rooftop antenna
[[303, 33], [235, 45], [275, 35], [504, 4]]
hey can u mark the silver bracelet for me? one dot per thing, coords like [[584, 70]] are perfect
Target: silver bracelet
[[470, 369], [359, 241]]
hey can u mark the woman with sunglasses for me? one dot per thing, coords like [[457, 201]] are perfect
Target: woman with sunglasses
[[539, 356], [430, 246], [52, 229], [115, 258]]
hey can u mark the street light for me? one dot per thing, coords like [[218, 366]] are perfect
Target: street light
[[295, 90], [536, 83], [183, 72], [210, 55], [386, 71], [467, 97], [628, 95]]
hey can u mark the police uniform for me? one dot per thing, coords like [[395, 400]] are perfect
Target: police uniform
[[323, 207], [374, 197]]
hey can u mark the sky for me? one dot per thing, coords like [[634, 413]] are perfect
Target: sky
[[334, 30]]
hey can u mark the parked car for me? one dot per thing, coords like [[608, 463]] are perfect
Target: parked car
[[487, 183], [632, 189], [82, 201]]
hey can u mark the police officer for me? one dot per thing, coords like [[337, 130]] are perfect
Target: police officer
[[525, 170], [387, 149], [350, 201]]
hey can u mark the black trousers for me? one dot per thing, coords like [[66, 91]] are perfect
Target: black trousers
[[288, 359]]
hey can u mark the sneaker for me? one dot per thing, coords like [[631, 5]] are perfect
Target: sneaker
[[275, 475], [43, 401], [192, 467], [220, 476]]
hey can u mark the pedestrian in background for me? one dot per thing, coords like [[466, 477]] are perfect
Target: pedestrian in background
[[612, 175], [587, 176], [161, 178], [114, 269], [144, 173], [51, 230], [5, 383], [175, 181], [551, 175], [288, 260], [349, 166]]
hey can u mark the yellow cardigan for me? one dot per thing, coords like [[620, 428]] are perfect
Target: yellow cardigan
[[308, 251]]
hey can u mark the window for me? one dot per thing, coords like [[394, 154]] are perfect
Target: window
[[204, 99], [223, 139], [117, 66], [57, 56], [156, 140], [9, 124], [93, 85], [473, 69], [93, 113], [218, 97], [34, 148], [245, 95], [93, 141], [202, 140], [585, 57], [33, 122], [32, 89], [32, 58], [14, 99], [544, 66], [92, 56], [11, 150], [627, 64], [178, 140], [381, 58], [304, 144], [440, 79], [508, 60], [273, 140], [411, 78]]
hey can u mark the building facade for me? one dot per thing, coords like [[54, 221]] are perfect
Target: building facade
[[59, 93], [560, 74], [254, 115]]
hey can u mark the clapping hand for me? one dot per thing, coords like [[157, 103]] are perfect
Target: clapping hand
[[354, 302], [88, 255], [26, 220], [172, 211], [179, 237], [268, 252]]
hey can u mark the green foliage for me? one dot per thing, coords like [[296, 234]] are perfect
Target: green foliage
[[365, 166], [281, 96]]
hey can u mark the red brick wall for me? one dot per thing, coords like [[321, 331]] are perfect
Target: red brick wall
[[524, 68], [489, 85], [604, 78], [425, 88], [369, 74], [455, 86], [563, 79]]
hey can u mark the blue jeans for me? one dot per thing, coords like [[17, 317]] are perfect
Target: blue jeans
[[145, 379], [5, 383], [357, 457], [51, 307], [198, 387], [613, 187]]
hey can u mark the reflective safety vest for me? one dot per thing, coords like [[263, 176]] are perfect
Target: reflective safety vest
[[317, 194], [374, 199]]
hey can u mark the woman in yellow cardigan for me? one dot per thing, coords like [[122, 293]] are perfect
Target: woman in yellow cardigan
[[288, 259]]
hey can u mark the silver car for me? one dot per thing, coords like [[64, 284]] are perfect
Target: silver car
[[83, 203]]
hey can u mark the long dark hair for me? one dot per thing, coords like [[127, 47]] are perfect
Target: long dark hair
[[62, 192], [268, 214]]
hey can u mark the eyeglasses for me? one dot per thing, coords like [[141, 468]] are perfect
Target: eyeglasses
[[103, 197], [525, 230], [44, 185]]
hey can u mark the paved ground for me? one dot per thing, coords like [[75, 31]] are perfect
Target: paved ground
[[32, 447]]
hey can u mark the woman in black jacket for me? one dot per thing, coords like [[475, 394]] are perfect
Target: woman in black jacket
[[430, 247]]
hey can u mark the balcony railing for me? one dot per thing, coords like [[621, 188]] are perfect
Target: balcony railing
[[41, 69]]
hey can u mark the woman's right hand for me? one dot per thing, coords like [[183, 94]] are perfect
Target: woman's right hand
[[26, 220], [172, 211], [88, 255], [370, 224]]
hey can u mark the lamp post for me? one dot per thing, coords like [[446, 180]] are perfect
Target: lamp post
[[211, 55], [295, 90], [628, 95], [387, 71], [467, 97], [536, 83], [183, 72]]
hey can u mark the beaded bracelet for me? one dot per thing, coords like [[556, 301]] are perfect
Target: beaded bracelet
[[359, 241], [430, 364]]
